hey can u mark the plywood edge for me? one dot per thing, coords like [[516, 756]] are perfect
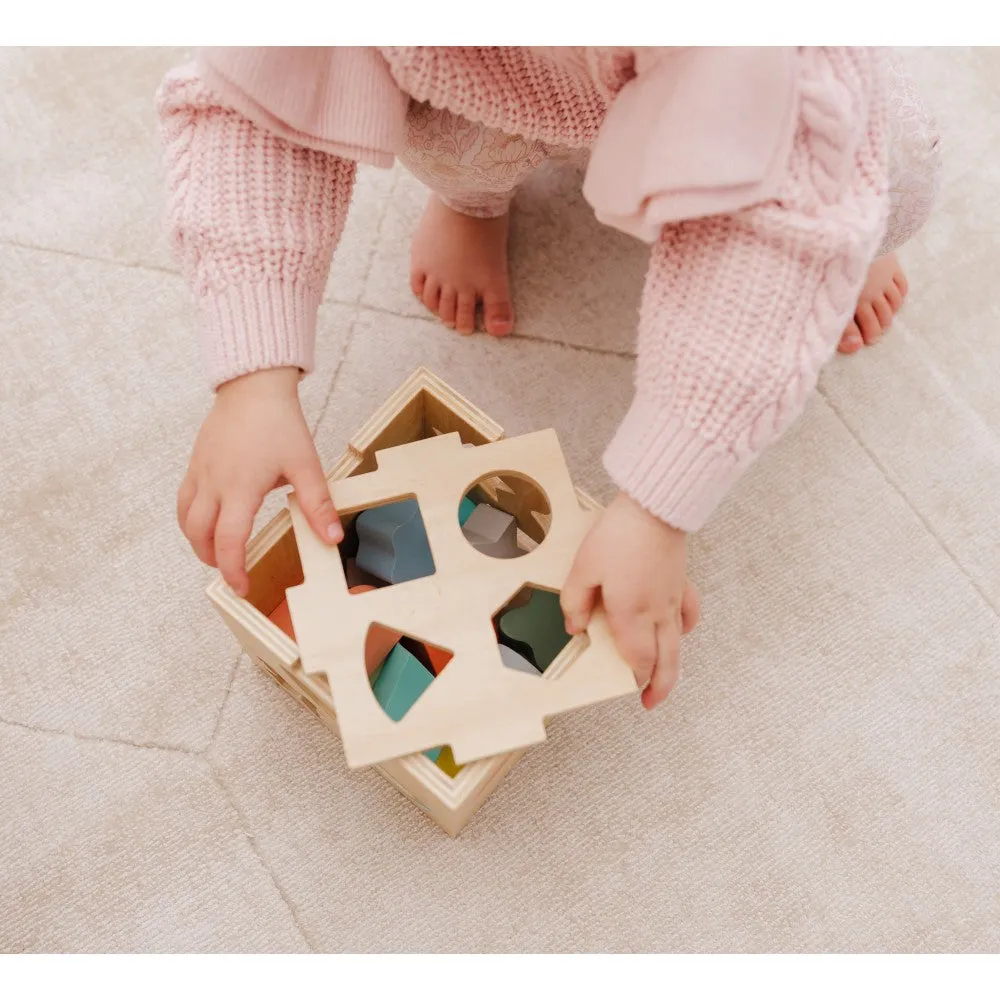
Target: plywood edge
[[461, 407], [376, 424], [251, 627]]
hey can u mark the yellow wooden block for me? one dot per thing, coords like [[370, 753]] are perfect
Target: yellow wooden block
[[446, 761]]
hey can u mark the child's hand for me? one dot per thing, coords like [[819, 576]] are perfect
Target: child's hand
[[254, 439], [636, 564]]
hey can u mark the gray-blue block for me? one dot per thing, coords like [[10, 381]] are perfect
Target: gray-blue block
[[392, 542]]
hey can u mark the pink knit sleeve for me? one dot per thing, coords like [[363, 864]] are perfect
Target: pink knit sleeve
[[254, 221], [740, 312]]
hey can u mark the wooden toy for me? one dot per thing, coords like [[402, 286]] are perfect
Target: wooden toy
[[446, 761], [378, 642], [422, 408], [465, 508], [475, 708], [357, 577], [492, 532], [282, 617], [440, 658], [539, 626], [515, 661], [392, 542], [400, 682], [432, 657]]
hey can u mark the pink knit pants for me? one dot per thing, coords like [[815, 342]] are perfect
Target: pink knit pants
[[476, 170]]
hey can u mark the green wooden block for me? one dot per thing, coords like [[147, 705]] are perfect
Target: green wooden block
[[465, 509], [400, 682], [539, 625]]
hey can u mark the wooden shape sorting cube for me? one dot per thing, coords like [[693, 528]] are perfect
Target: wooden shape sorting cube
[[476, 706], [422, 407]]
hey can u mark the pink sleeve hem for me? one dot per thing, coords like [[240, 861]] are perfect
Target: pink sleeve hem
[[668, 468], [252, 327]]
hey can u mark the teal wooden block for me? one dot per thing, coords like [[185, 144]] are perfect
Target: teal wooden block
[[400, 682], [538, 625], [465, 509], [433, 754], [392, 542]]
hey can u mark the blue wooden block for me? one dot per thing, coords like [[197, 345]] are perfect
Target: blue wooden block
[[392, 542], [400, 682]]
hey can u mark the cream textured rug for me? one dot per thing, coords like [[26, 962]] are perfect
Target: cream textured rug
[[824, 778]]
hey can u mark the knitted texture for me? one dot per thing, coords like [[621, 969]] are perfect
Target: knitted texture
[[739, 313], [515, 89], [254, 221]]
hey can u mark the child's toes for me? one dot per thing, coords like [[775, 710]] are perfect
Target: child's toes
[[851, 341], [498, 316], [868, 323], [893, 296], [899, 280], [465, 314], [883, 311], [417, 281], [448, 305], [432, 294]]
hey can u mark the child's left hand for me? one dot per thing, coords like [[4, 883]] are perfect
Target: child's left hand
[[636, 564]]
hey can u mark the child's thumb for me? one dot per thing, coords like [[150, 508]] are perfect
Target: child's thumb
[[313, 494]]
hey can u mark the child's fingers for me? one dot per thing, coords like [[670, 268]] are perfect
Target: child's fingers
[[668, 665], [690, 609], [199, 526], [578, 597], [185, 495], [313, 493], [635, 637], [232, 532]]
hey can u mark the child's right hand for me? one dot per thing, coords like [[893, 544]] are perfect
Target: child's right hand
[[254, 439]]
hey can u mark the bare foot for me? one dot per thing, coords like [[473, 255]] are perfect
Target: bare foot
[[456, 262], [880, 299]]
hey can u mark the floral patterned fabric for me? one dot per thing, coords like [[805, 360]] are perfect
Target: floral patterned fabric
[[476, 170], [473, 169]]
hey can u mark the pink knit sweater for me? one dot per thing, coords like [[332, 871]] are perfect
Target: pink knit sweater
[[759, 177]]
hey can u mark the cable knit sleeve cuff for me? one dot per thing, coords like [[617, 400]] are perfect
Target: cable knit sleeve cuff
[[667, 467], [250, 327]]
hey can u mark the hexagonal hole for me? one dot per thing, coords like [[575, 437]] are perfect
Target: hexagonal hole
[[531, 630]]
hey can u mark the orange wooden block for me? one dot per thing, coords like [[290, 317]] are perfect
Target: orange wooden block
[[440, 658]]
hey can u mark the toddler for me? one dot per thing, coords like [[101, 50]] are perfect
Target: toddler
[[771, 184]]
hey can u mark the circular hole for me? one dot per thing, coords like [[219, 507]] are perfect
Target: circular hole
[[504, 515]]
